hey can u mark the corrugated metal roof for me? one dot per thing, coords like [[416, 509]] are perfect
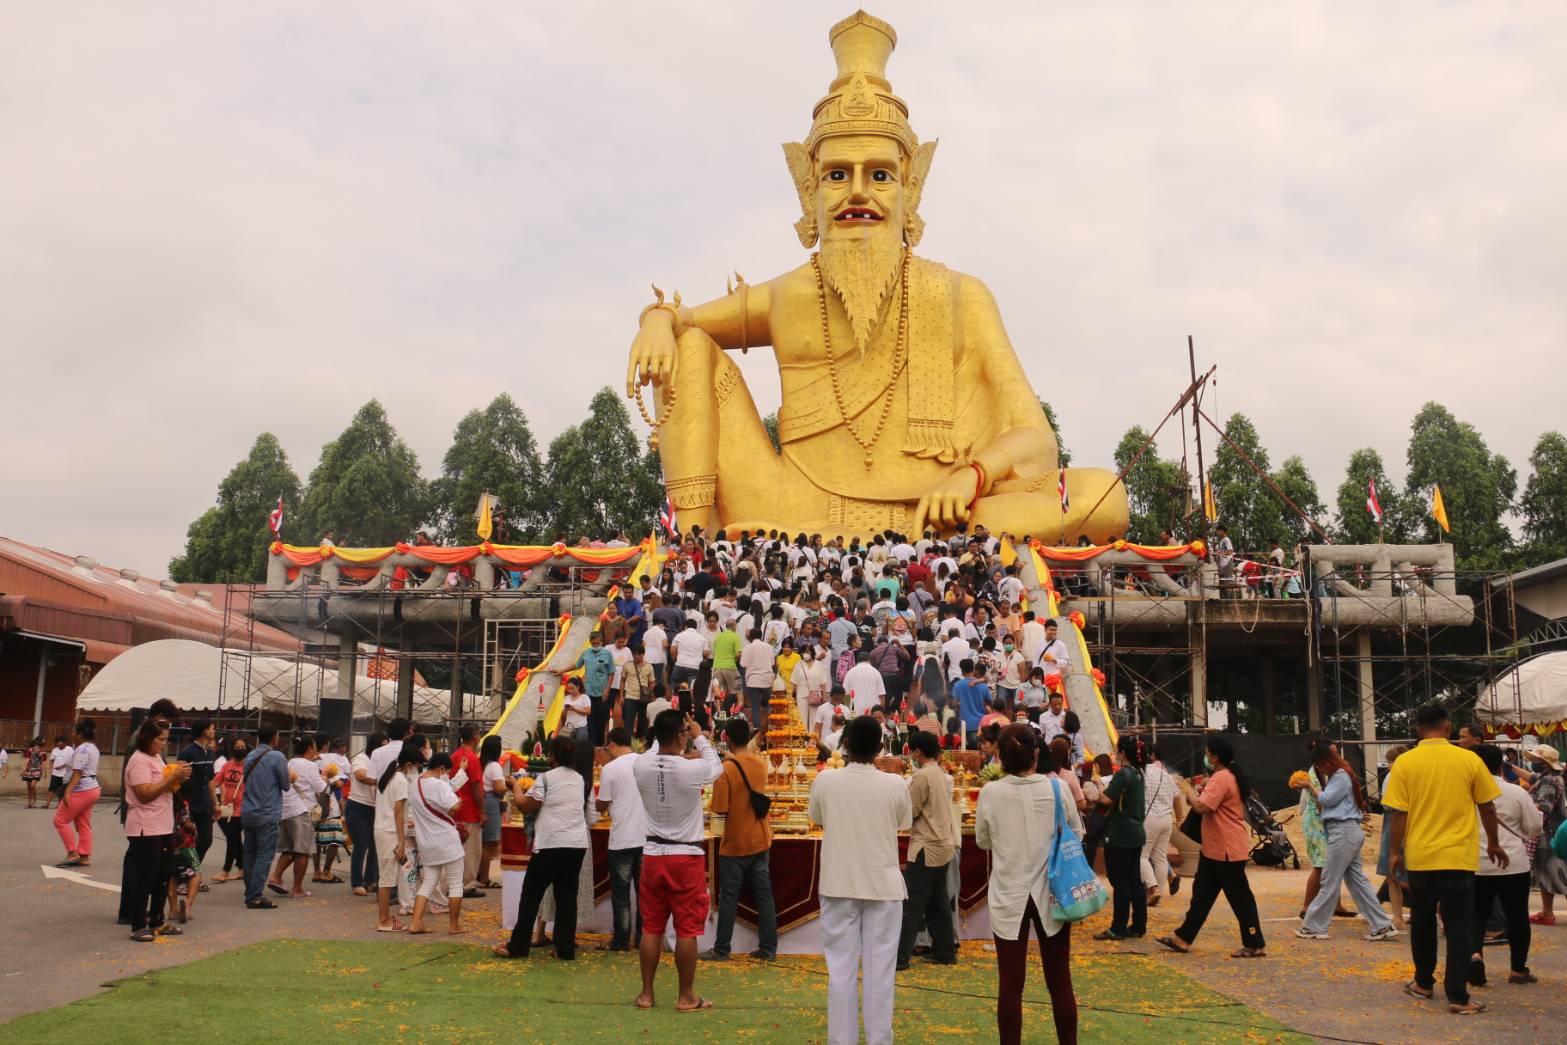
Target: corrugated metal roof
[[76, 598]]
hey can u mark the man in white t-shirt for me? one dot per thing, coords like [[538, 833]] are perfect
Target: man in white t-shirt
[[1033, 637], [674, 861], [686, 651], [865, 687], [655, 649], [59, 769], [756, 673], [1054, 657], [861, 810], [618, 796], [296, 838], [953, 653]]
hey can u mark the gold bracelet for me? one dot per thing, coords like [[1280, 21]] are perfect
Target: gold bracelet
[[672, 308]]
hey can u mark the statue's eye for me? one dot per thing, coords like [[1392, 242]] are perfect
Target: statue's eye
[[838, 175], [881, 176]]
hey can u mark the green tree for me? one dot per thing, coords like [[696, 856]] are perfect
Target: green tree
[[770, 422], [1156, 489], [493, 451], [1298, 485], [1355, 525], [229, 541], [1477, 488], [598, 480], [1251, 510], [1544, 501], [367, 489], [1055, 427]]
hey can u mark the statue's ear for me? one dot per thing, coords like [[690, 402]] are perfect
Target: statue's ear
[[803, 173], [919, 170]]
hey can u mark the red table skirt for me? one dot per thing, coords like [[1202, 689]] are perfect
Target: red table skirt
[[795, 868]]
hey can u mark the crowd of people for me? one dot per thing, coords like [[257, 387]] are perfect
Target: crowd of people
[[885, 647]]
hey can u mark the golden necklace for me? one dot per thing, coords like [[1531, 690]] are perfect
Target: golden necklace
[[897, 354]]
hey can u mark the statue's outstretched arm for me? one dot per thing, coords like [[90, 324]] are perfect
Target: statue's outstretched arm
[[739, 319]]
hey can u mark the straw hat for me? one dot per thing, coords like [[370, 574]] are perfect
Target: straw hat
[[1547, 754]]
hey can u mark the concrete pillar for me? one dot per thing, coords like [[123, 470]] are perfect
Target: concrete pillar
[[38, 698], [347, 665], [405, 687], [1268, 711], [1197, 612], [456, 709], [1368, 713], [1313, 698]]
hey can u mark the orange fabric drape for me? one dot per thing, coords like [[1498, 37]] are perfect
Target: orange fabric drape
[[1151, 552], [511, 554]]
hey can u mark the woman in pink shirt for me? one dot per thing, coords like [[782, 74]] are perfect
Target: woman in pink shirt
[[1226, 846], [149, 828]]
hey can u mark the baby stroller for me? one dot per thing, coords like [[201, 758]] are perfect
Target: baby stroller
[[1273, 846]]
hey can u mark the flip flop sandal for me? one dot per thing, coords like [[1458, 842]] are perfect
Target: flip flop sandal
[[702, 1004], [1169, 941], [1247, 952], [169, 930], [500, 950], [1472, 1009], [395, 927], [143, 936], [1414, 990], [281, 890]]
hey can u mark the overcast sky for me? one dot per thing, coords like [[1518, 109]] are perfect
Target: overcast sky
[[222, 219]]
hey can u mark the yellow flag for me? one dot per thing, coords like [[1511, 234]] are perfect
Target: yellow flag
[[1008, 553], [1439, 510], [486, 524], [1209, 509]]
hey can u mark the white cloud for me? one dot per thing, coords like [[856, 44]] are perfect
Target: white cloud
[[218, 220]]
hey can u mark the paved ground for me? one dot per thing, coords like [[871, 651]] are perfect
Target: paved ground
[[66, 946]]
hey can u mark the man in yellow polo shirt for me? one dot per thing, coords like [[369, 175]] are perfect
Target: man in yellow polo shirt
[[1432, 793]]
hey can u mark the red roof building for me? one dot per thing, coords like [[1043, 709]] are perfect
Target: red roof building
[[62, 618]]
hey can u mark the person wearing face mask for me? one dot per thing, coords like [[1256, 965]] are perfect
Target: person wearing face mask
[[433, 805], [231, 804], [1011, 670], [1226, 846]]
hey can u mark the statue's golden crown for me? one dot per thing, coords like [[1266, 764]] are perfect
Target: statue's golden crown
[[860, 99]]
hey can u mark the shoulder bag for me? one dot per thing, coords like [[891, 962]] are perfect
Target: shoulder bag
[[1075, 891], [761, 802], [462, 829]]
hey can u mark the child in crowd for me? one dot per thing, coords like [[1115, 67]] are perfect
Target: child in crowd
[[185, 882]]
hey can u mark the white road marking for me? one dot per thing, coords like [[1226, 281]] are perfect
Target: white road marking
[[75, 876]]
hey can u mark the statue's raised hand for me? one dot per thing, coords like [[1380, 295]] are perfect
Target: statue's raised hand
[[652, 351]]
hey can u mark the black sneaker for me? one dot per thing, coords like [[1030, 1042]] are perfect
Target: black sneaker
[[762, 955], [902, 967]]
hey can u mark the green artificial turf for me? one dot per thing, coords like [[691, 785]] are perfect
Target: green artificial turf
[[305, 991]]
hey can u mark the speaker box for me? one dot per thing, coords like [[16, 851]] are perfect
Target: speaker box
[[337, 717]]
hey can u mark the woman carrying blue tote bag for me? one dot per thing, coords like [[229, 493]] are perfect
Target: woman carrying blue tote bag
[[1014, 823], [1075, 891]]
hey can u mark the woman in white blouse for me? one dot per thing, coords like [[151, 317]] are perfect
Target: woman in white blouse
[[1016, 821], [559, 797], [431, 802]]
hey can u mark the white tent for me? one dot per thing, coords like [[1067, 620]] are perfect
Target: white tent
[[1530, 697], [187, 672]]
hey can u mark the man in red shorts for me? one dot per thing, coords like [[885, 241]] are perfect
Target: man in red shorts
[[674, 862]]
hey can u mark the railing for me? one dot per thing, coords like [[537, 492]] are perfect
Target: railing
[[406, 567]]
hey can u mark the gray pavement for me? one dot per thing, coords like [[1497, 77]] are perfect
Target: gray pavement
[[63, 943]]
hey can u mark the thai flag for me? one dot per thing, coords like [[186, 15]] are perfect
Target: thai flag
[[668, 519], [1373, 505], [275, 520], [1066, 502]]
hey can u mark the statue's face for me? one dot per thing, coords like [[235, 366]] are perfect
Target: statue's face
[[859, 187]]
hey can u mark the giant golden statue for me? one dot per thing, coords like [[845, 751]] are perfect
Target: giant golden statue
[[904, 405]]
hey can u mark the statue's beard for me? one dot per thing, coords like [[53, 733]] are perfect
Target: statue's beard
[[862, 269]]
